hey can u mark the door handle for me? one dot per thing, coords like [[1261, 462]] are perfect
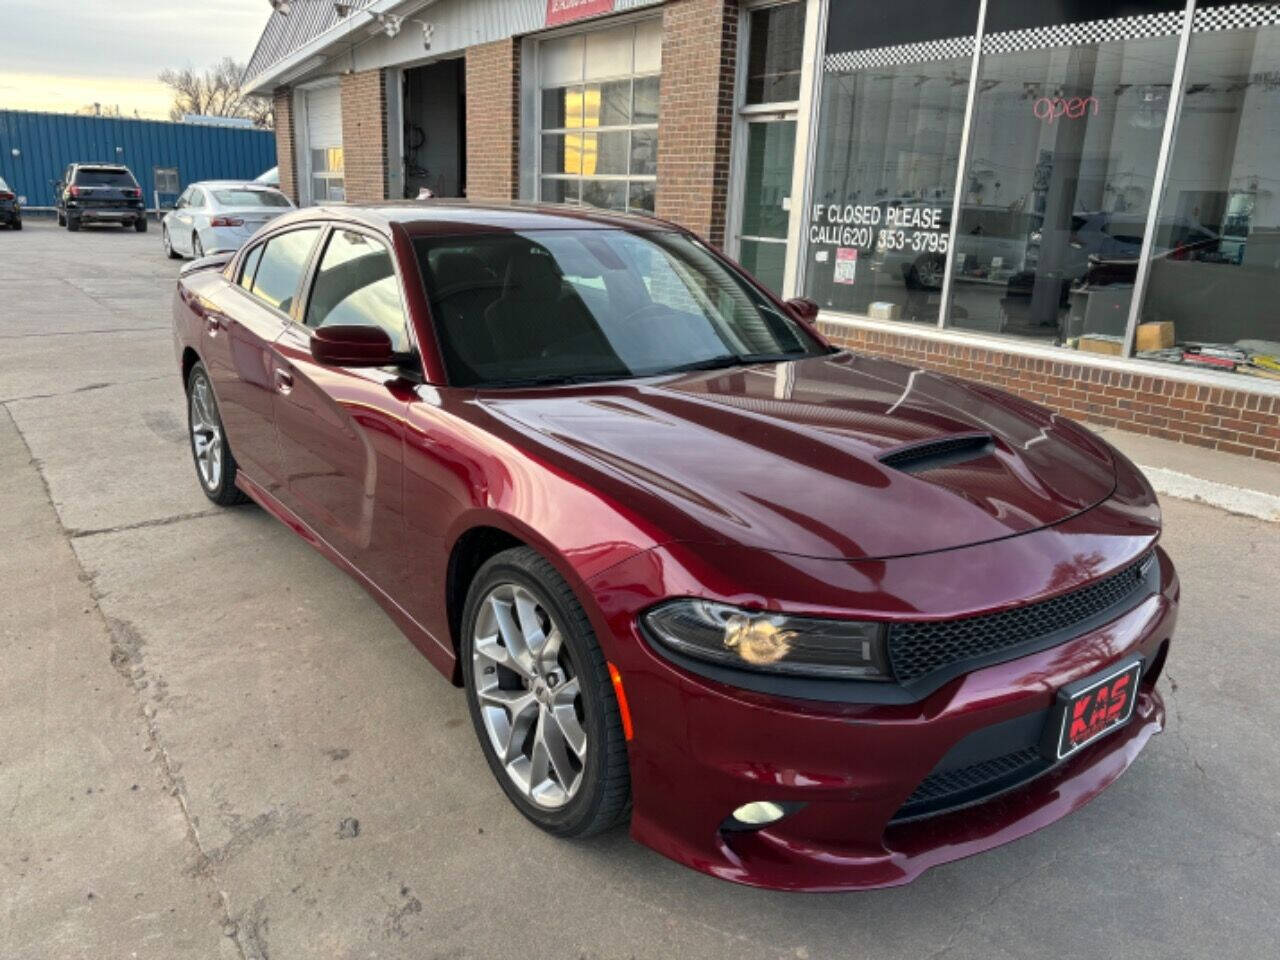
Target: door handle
[[284, 380]]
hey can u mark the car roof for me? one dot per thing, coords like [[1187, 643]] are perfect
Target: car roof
[[232, 185], [100, 166], [452, 217]]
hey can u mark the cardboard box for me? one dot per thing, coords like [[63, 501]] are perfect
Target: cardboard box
[[884, 310], [1097, 343], [1154, 336]]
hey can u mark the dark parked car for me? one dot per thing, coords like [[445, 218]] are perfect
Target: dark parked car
[[10, 208], [801, 615], [100, 193]]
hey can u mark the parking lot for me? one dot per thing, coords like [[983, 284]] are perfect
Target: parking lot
[[215, 745]]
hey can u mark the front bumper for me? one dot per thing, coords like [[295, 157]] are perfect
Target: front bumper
[[703, 748]]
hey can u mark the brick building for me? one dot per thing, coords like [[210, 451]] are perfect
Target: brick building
[[1078, 201]]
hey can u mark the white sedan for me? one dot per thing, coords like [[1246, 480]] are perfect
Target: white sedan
[[218, 216]]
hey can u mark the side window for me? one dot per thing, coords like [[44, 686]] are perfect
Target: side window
[[280, 267], [356, 285], [196, 199], [250, 266]]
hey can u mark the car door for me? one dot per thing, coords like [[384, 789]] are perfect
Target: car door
[[173, 223], [189, 221], [242, 324], [341, 429]]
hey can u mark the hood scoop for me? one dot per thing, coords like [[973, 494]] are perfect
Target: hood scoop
[[942, 452]]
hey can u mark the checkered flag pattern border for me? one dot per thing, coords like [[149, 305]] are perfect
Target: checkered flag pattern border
[[951, 48], [1236, 16], [1078, 34]]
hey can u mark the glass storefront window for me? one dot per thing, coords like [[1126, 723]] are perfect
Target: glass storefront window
[[894, 90], [775, 46], [1214, 285], [1067, 128], [599, 119]]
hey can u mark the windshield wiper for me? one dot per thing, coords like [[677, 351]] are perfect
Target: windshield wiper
[[552, 379], [732, 360]]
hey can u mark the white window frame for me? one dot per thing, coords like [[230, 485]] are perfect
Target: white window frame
[[302, 138], [744, 115], [531, 95]]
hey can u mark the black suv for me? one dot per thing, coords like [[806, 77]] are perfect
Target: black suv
[[10, 207], [100, 192]]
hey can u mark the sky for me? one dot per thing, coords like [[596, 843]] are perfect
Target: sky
[[60, 55]]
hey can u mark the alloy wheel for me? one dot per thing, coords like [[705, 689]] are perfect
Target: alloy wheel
[[929, 271], [529, 695], [206, 433], [164, 239]]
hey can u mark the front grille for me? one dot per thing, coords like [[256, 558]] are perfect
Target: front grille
[[918, 649]]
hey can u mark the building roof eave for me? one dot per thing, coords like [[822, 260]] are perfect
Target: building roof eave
[[264, 79]]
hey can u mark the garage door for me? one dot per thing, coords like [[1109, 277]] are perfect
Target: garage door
[[324, 140]]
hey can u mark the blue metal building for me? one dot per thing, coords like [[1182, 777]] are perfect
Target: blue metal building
[[35, 149]]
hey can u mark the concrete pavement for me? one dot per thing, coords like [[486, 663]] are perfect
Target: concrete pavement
[[307, 786]]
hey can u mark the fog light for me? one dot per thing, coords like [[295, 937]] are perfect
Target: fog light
[[759, 813]]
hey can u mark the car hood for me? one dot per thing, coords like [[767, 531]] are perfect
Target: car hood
[[789, 457]]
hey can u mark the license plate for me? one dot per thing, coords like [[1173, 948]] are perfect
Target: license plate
[[1093, 707]]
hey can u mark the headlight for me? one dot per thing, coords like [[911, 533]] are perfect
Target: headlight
[[769, 642]]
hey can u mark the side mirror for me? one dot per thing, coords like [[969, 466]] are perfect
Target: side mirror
[[352, 346], [804, 309]]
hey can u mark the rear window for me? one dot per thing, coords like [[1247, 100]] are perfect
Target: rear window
[[250, 198], [90, 177], [3, 185]]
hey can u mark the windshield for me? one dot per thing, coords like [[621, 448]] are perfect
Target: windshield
[[546, 306], [250, 198], [89, 177]]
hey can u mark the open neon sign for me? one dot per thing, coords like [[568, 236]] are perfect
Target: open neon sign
[[1049, 109]]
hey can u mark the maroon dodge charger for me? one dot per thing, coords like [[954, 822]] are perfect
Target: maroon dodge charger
[[806, 619]]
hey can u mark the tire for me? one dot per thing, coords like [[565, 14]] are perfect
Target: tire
[[197, 248], [73, 224], [217, 478], [17, 224], [62, 220], [926, 273], [598, 793], [140, 225], [168, 245]]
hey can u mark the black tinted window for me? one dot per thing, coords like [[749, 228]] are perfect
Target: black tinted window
[[356, 285], [90, 177], [546, 304], [280, 268]]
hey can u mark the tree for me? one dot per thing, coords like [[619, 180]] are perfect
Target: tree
[[218, 92]]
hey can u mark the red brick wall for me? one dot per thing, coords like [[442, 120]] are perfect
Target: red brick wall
[[364, 135], [695, 119], [1234, 421], [285, 152], [493, 120]]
